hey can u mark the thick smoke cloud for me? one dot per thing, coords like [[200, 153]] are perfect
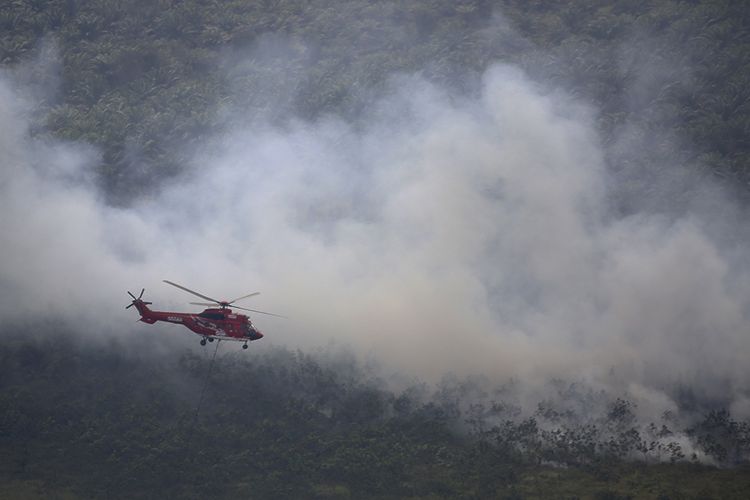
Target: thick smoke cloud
[[441, 233]]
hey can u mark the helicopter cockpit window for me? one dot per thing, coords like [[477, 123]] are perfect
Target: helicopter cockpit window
[[211, 315]]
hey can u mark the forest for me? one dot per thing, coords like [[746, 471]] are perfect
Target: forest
[[87, 421], [140, 78], [142, 82]]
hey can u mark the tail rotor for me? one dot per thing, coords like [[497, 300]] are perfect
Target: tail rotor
[[137, 299]]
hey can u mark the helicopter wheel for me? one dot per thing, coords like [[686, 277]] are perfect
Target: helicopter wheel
[[203, 341], [210, 339], [244, 346]]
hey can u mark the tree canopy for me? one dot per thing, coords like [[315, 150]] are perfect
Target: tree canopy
[[92, 420], [142, 79]]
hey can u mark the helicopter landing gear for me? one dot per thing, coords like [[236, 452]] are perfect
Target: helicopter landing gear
[[244, 346], [203, 341], [210, 339]]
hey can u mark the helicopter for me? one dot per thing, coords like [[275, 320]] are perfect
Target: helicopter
[[215, 323]]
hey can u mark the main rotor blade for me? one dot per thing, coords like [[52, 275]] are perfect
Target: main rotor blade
[[132, 296], [243, 297], [191, 291], [261, 312], [203, 304]]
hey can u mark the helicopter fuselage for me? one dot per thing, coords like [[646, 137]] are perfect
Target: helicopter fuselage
[[215, 323]]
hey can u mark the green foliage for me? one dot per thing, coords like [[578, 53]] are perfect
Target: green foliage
[[141, 79], [83, 421]]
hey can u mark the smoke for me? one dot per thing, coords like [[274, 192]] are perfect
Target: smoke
[[440, 233]]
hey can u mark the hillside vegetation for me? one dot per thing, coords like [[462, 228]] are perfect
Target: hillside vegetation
[[143, 80], [147, 82], [85, 421]]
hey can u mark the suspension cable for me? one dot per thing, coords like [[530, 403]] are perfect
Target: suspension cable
[[205, 384]]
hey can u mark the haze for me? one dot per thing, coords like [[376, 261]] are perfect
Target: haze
[[438, 232]]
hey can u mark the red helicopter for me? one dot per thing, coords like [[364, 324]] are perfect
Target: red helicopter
[[214, 323]]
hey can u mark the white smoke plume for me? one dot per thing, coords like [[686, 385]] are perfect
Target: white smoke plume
[[447, 234]]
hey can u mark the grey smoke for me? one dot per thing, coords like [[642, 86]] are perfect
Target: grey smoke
[[470, 235]]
